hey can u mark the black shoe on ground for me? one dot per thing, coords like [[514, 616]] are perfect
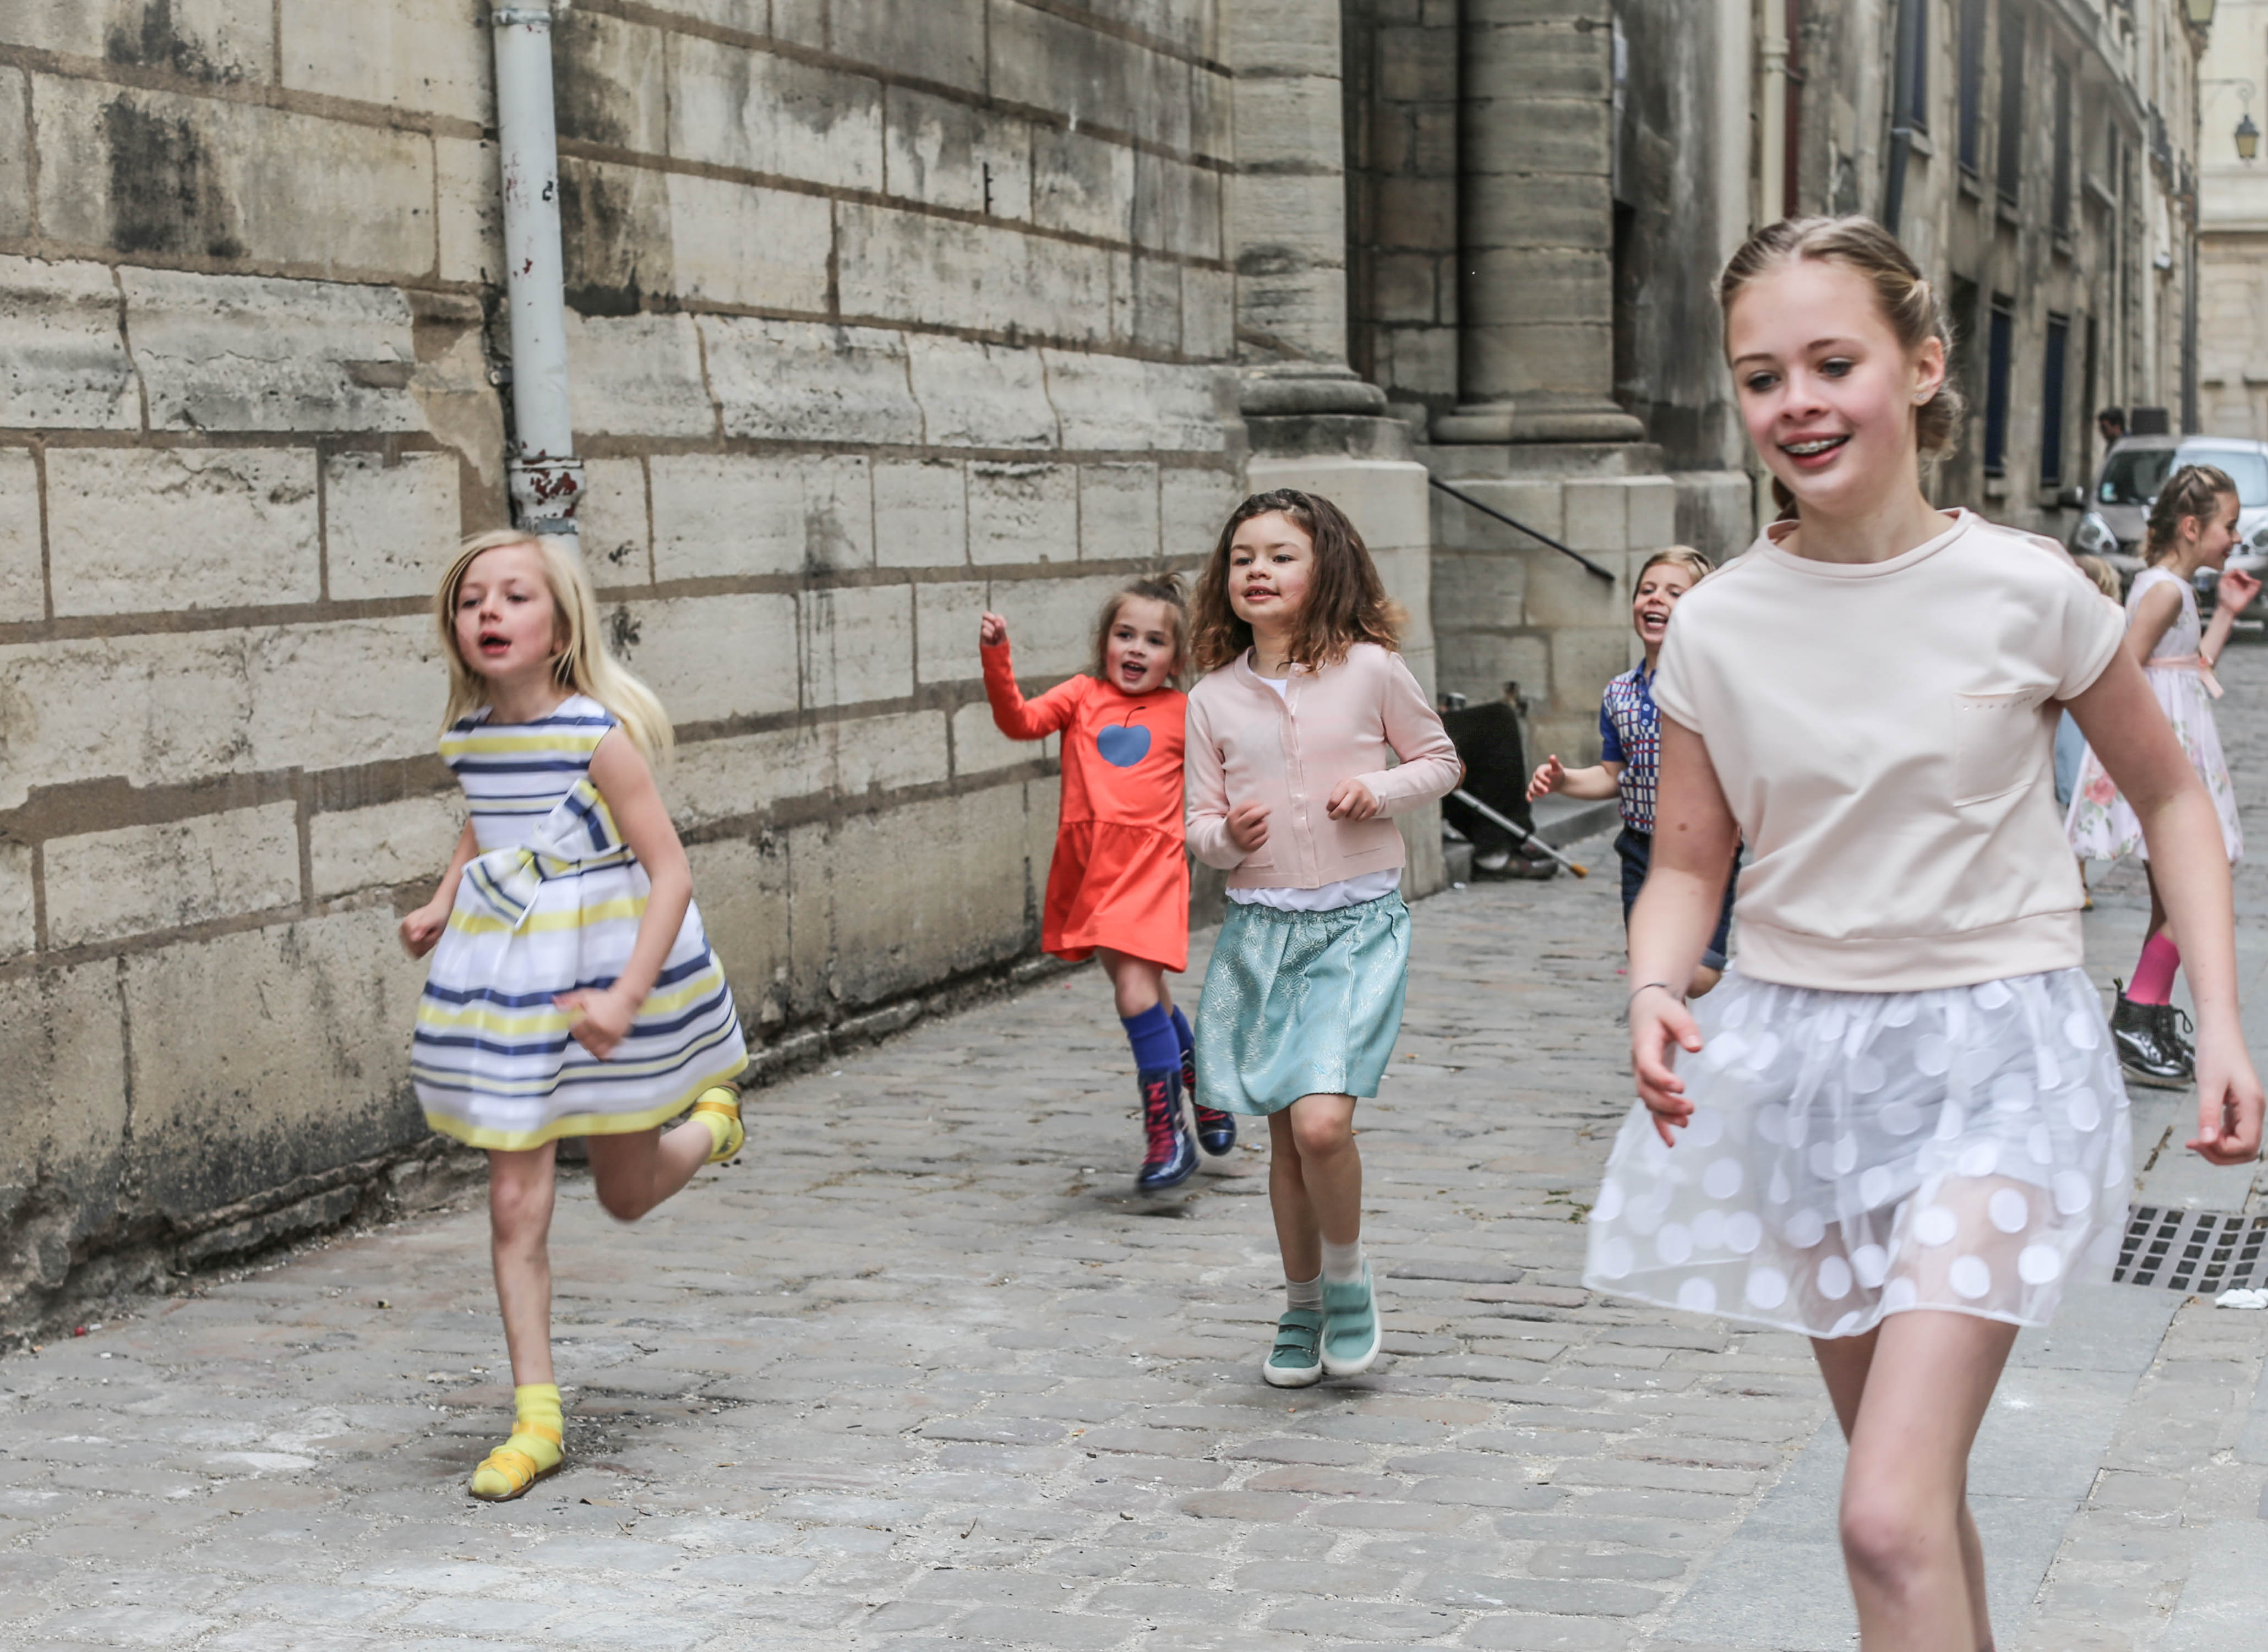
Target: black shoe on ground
[[2179, 1033], [1171, 1156], [2138, 1034]]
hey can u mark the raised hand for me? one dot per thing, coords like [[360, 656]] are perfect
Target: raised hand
[[991, 631], [2236, 590]]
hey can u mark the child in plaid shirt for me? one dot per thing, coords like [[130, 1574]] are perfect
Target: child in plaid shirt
[[1629, 741]]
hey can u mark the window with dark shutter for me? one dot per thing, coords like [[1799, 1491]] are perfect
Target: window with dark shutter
[[2012, 103], [2000, 343], [2052, 399], [2059, 207], [1972, 113]]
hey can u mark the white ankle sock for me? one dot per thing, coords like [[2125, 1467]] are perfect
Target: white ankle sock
[[1303, 1293], [1343, 1264]]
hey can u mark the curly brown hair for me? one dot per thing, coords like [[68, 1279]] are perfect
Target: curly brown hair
[[1347, 599], [1150, 587], [2192, 492]]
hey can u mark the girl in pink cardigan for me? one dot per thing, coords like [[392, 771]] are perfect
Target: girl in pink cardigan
[[1293, 740]]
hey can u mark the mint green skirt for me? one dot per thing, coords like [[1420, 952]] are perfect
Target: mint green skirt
[[1302, 1004]]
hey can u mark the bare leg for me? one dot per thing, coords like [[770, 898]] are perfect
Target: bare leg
[[1137, 982], [1314, 1180], [521, 1191], [1843, 1362], [1297, 1235], [1910, 1396], [2158, 923], [636, 1172]]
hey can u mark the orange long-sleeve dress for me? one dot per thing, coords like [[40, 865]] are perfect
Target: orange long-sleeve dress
[[1119, 877]]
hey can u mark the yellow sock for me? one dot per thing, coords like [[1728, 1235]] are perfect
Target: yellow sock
[[719, 1110], [532, 1452]]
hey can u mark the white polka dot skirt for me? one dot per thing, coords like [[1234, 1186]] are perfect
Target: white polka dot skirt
[[1854, 1155]]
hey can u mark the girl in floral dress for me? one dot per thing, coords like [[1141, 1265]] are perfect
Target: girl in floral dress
[[2192, 525]]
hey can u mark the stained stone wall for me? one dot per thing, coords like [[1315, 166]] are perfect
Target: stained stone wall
[[883, 313]]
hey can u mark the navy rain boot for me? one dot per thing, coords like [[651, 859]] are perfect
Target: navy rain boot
[[1216, 1130], [1173, 1157]]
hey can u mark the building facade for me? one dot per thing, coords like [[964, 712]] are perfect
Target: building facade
[[2232, 224], [2038, 158]]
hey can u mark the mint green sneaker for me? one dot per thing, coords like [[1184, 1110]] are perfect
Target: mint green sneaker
[[1351, 1331], [1297, 1359]]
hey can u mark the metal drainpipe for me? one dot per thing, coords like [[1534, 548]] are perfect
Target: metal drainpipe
[[546, 477], [1771, 115], [1901, 111]]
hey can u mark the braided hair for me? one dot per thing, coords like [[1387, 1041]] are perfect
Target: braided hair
[[2192, 493]]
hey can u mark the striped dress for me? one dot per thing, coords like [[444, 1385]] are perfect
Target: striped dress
[[552, 902]]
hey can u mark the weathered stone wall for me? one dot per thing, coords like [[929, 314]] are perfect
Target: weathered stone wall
[[885, 312], [1401, 69]]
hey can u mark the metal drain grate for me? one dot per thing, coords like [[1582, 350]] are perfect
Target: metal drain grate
[[2205, 1250]]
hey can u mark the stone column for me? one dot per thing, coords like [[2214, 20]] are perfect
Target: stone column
[[1536, 227], [1313, 424], [1287, 212]]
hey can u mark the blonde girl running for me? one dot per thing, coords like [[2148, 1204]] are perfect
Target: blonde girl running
[[572, 991]]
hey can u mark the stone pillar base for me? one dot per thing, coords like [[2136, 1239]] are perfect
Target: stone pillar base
[[1539, 419]]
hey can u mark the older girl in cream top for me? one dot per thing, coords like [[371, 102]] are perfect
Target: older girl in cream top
[[1291, 754], [1897, 1127]]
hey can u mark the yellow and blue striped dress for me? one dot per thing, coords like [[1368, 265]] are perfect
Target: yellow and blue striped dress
[[552, 902]]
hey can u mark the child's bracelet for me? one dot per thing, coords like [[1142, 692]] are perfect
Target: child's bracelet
[[1664, 986]]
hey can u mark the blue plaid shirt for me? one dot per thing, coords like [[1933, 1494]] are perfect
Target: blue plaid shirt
[[1630, 734]]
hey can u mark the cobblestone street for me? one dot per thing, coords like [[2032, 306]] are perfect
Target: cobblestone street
[[918, 1372]]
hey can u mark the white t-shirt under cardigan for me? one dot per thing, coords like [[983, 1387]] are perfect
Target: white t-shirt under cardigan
[[1884, 733]]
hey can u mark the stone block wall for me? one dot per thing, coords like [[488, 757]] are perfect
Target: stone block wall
[[885, 312], [1509, 610]]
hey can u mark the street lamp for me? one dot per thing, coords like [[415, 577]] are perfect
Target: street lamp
[[2247, 134], [2200, 12]]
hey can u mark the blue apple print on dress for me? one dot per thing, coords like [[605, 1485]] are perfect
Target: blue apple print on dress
[[1122, 744]]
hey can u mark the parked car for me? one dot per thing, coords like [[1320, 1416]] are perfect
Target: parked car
[[2116, 509]]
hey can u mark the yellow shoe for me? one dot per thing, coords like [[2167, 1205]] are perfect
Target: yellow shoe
[[720, 1110], [532, 1452]]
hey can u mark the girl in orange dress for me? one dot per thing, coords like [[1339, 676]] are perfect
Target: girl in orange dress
[[1119, 886]]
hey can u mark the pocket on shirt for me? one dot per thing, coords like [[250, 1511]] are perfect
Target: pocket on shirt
[[1995, 744]]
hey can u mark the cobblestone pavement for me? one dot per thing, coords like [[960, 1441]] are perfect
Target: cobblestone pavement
[[918, 1373]]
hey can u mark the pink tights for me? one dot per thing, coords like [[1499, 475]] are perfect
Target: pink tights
[[2154, 971]]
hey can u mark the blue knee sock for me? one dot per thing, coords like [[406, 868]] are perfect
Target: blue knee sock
[[1182, 1036], [1152, 1035]]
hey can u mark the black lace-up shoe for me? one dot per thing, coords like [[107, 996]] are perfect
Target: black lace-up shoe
[[2140, 1036], [2179, 1033]]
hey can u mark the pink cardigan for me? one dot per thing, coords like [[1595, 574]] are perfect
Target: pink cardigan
[[1248, 746]]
